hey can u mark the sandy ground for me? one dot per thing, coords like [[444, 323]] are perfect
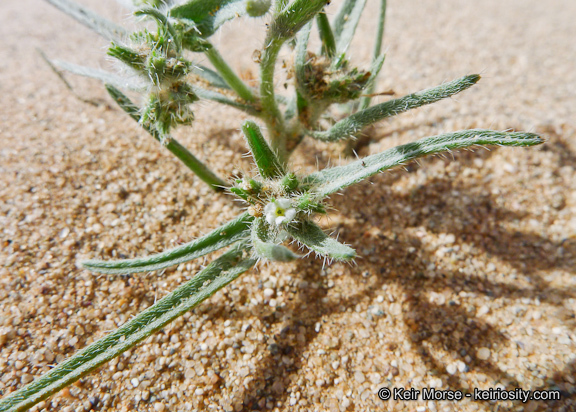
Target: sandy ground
[[467, 272]]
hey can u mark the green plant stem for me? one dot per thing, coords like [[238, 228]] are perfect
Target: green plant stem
[[213, 278], [194, 164], [365, 101], [229, 75], [285, 24], [216, 96], [272, 116], [328, 42], [191, 161]]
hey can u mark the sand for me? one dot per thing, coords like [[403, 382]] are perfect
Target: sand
[[466, 277]]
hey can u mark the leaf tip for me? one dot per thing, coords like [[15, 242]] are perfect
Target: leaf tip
[[473, 78]]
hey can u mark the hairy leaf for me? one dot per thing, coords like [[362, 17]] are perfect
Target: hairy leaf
[[225, 235], [326, 35], [301, 56], [209, 15], [221, 98], [365, 102], [135, 84], [212, 77], [311, 236], [182, 153], [214, 277], [328, 181], [375, 71], [291, 19], [88, 18], [345, 23], [351, 125], [268, 164], [266, 249]]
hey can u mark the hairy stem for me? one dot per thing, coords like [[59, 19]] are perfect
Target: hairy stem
[[272, 116], [194, 164], [191, 161], [229, 76]]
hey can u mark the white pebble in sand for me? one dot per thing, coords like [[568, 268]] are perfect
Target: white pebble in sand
[[359, 376], [483, 353], [268, 293], [483, 310]]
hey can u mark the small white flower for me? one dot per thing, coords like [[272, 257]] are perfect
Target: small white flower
[[279, 211]]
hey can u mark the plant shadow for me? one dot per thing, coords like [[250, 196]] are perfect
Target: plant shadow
[[432, 327]]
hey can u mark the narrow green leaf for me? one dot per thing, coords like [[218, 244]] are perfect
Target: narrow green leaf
[[328, 181], [300, 59], [268, 164], [58, 73], [291, 19], [195, 165], [212, 77], [214, 277], [345, 23], [128, 56], [311, 236], [126, 104], [228, 74], [182, 153], [223, 99], [135, 84], [351, 125], [225, 235], [374, 72], [209, 15], [326, 35], [264, 248], [365, 101], [88, 18]]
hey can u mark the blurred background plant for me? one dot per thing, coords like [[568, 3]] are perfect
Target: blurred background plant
[[280, 203]]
